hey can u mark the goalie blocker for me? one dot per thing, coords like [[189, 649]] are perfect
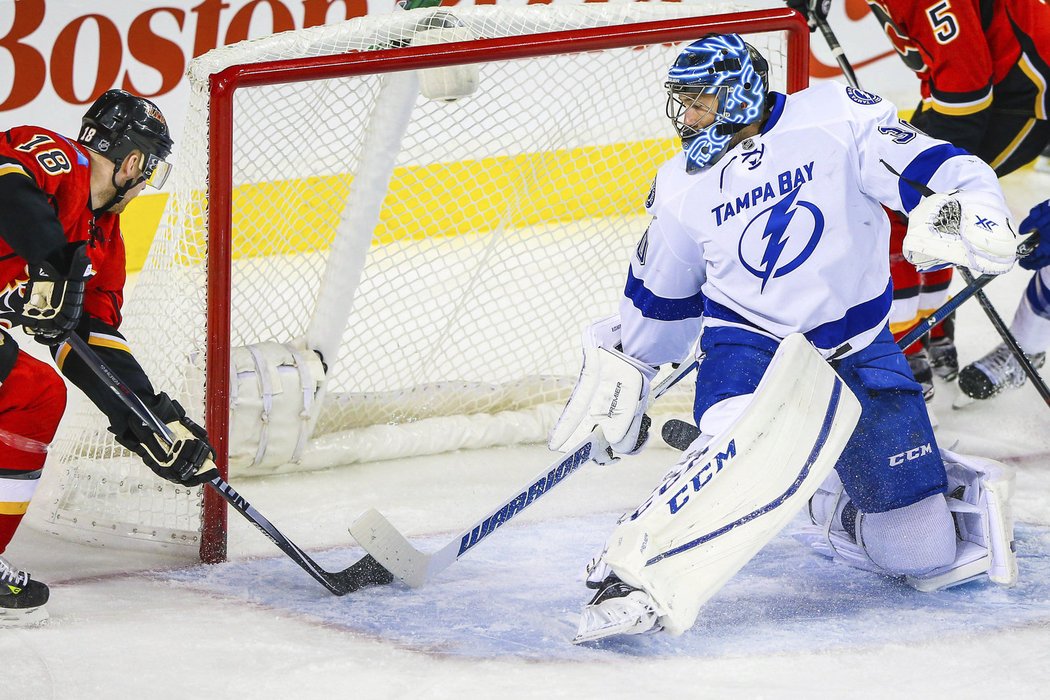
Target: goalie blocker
[[611, 393]]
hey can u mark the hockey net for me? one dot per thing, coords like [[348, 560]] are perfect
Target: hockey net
[[442, 255]]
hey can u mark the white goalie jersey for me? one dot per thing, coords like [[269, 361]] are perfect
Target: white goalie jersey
[[758, 239]]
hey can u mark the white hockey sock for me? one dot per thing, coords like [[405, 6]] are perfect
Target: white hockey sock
[[912, 540]]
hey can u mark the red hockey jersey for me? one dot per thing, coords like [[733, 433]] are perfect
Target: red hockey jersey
[[972, 56], [61, 170]]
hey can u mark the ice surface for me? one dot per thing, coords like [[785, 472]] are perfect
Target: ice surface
[[498, 622]]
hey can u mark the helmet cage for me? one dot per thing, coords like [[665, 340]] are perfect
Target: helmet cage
[[721, 65]]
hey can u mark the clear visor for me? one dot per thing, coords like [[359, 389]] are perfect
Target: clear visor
[[156, 172]]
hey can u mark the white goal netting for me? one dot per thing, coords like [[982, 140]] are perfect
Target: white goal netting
[[444, 255]]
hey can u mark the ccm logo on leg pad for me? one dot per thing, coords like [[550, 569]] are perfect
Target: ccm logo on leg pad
[[908, 455]]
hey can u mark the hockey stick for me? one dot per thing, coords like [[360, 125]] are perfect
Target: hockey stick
[[982, 298], [1010, 340], [393, 550], [819, 19], [973, 286], [365, 572]]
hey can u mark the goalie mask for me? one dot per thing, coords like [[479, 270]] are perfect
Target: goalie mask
[[725, 66], [117, 124]]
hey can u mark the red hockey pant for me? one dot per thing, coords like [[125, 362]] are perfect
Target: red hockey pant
[[32, 401]]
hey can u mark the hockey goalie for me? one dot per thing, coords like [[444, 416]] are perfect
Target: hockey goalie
[[768, 234]]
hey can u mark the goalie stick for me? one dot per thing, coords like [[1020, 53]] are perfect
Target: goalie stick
[[365, 572], [394, 552]]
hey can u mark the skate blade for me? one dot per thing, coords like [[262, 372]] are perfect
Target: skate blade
[[27, 617], [962, 401], [594, 626]]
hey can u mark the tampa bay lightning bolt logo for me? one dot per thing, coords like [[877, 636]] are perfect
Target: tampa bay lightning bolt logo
[[767, 248], [862, 97]]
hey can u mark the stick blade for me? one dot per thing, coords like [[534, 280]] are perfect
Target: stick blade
[[390, 548]]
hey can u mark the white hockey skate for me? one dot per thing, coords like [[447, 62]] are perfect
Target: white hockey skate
[[617, 609]]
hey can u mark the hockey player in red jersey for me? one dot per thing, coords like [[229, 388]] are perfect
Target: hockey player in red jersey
[[983, 68], [62, 270], [984, 72]]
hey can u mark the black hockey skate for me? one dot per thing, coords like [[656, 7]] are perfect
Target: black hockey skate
[[21, 598], [944, 359], [995, 372], [923, 372]]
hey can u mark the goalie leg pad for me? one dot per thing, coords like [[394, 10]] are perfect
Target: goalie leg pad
[[936, 542], [725, 501], [915, 539]]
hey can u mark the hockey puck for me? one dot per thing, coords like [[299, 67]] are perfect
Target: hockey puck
[[679, 434]]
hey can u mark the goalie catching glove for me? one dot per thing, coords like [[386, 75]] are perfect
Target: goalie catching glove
[[971, 229], [54, 294], [181, 462], [611, 393]]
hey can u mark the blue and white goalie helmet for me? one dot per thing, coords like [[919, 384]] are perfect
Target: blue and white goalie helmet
[[726, 66]]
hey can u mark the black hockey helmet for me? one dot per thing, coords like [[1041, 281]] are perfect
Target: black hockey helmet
[[118, 123]]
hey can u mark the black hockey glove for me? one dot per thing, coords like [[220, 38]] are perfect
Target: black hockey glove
[[54, 295], [810, 9], [181, 463]]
